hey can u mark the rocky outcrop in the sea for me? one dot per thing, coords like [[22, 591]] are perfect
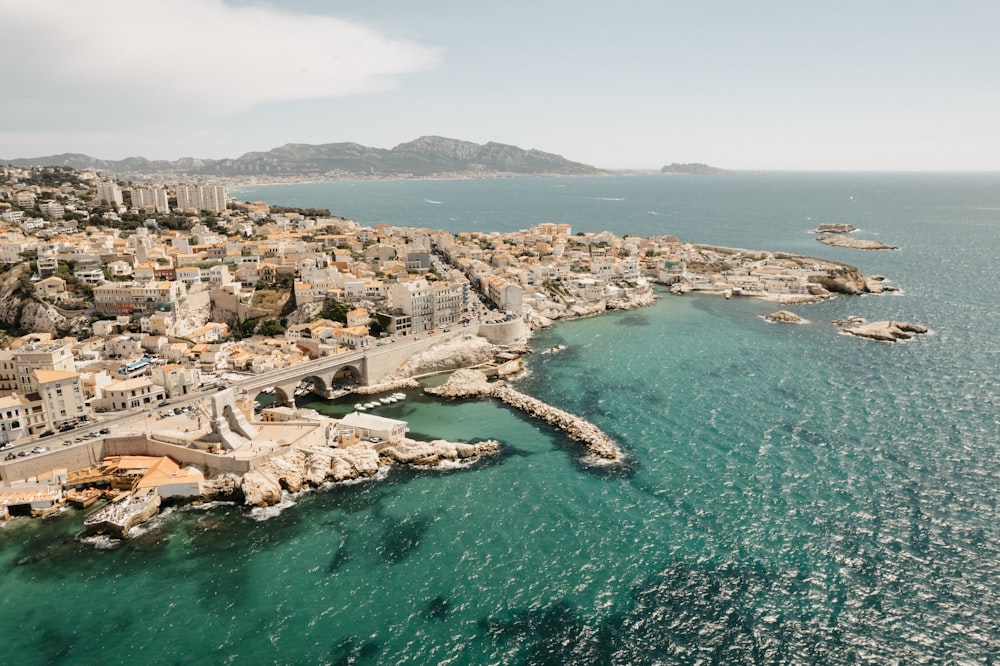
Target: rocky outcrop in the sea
[[510, 368], [887, 331], [117, 518], [842, 280], [470, 383], [784, 317], [312, 466], [838, 240]]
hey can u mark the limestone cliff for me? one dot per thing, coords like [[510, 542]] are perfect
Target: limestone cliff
[[22, 312], [458, 353]]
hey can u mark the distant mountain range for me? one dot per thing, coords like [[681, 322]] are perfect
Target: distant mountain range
[[426, 156]]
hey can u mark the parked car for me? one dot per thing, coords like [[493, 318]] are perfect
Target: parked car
[[47, 433], [39, 449], [6, 446]]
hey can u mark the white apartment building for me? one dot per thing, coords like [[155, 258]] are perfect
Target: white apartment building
[[62, 397], [201, 197], [176, 379], [449, 303], [504, 294], [130, 394], [15, 417], [24, 199], [52, 209], [10, 250], [416, 299], [109, 193], [150, 199], [53, 356], [117, 298]]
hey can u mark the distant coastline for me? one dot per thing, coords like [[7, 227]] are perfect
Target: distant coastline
[[693, 168]]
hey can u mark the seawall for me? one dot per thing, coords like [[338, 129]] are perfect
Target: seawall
[[469, 383]]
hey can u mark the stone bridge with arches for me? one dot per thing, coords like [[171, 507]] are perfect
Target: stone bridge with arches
[[323, 375], [330, 374]]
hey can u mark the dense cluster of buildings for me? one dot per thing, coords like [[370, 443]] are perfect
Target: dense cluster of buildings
[[167, 276]]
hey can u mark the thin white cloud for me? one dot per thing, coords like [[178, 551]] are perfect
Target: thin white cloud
[[110, 62]]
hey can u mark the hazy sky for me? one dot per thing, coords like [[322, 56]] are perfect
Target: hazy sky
[[867, 85]]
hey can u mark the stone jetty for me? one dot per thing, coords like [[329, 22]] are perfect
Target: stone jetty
[[386, 387], [469, 383]]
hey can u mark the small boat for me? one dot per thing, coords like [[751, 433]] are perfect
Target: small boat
[[386, 401], [370, 405], [399, 396], [360, 407]]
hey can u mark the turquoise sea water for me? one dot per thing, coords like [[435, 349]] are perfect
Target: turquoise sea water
[[792, 495]]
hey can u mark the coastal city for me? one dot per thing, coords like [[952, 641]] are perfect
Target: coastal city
[[157, 335]]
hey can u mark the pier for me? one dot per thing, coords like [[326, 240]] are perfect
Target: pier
[[473, 383]]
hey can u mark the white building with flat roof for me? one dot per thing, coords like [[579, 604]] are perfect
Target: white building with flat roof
[[368, 426]]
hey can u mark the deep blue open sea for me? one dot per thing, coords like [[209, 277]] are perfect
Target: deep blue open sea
[[793, 495]]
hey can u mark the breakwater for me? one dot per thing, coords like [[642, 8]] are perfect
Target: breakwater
[[473, 383]]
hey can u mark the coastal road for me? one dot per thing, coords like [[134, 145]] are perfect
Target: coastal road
[[110, 420]]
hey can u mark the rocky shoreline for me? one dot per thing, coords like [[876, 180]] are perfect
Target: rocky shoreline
[[474, 384], [314, 466], [546, 316], [386, 386]]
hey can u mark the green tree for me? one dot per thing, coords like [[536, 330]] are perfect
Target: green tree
[[270, 328], [334, 311]]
